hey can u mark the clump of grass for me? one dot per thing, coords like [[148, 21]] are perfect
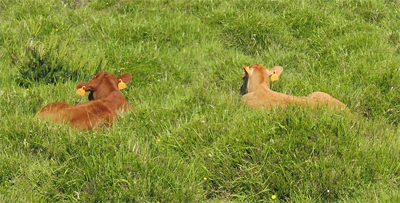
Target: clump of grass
[[42, 63]]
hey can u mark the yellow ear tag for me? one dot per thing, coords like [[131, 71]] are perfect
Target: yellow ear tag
[[247, 69], [274, 77], [121, 85], [81, 91]]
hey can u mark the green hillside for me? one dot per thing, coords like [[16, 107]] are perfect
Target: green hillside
[[190, 139]]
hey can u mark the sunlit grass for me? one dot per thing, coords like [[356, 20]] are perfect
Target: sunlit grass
[[189, 138]]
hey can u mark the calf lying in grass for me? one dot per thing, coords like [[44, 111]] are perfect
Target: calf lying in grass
[[104, 102], [256, 83]]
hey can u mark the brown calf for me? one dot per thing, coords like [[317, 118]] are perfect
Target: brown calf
[[256, 83], [104, 102]]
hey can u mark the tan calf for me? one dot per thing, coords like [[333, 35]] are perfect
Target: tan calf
[[259, 94]]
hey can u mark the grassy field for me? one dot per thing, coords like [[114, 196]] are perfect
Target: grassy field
[[190, 139]]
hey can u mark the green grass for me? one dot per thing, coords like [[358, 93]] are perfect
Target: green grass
[[189, 138]]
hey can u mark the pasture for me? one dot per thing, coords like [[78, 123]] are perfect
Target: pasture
[[189, 138]]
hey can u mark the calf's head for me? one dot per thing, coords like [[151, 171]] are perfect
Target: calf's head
[[101, 85], [255, 75]]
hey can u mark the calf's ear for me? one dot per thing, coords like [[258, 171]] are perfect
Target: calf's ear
[[126, 77], [88, 86], [277, 70], [246, 70], [80, 85]]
